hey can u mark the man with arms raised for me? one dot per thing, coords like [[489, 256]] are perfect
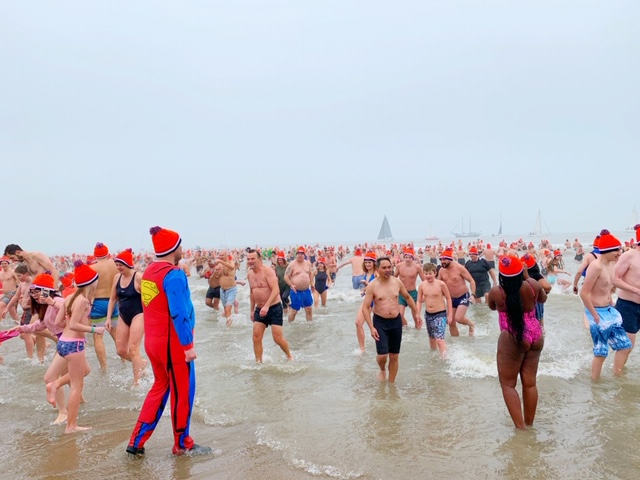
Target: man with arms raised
[[627, 279], [107, 271], [266, 306], [456, 278], [386, 326], [605, 322], [408, 273], [357, 269], [228, 289], [299, 277]]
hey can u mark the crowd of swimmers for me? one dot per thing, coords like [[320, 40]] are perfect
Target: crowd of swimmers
[[61, 299]]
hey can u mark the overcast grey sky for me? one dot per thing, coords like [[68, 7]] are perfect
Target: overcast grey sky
[[271, 122]]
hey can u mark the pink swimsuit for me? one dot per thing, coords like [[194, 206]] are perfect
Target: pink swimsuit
[[532, 330]]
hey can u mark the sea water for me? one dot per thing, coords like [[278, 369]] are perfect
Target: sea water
[[325, 415]]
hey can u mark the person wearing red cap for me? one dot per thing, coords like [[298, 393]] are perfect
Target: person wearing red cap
[[107, 270], [125, 291], [483, 275], [169, 322], [321, 282], [281, 269], [66, 285], [521, 338], [605, 322], [370, 273], [435, 296], [627, 280], [357, 273], [408, 272], [46, 303], [555, 266], [456, 278], [212, 273], [386, 325], [71, 344], [228, 288], [266, 306], [299, 277], [9, 281]]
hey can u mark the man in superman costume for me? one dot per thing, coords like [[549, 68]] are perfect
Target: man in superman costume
[[169, 320]]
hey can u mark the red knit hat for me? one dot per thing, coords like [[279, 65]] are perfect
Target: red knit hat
[[125, 257], [358, 252], [164, 241], [4, 258], [101, 250], [447, 254], [637, 229], [281, 255], [528, 260], [44, 280], [510, 266], [301, 249], [66, 280], [84, 274], [409, 251], [370, 256], [608, 242], [322, 260], [557, 253], [488, 245], [473, 251], [596, 241]]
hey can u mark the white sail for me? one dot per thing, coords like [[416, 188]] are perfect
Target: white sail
[[385, 230]]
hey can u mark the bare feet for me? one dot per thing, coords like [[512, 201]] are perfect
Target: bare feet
[[382, 375], [472, 329], [289, 357], [62, 418], [52, 387], [228, 322], [76, 429]]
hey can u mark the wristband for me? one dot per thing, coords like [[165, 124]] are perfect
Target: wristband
[[93, 329]]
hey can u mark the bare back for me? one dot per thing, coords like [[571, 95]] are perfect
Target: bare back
[[107, 271]]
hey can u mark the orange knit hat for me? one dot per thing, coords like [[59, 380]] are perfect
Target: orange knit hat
[[447, 254], [528, 260], [510, 266], [370, 256], [100, 250], [44, 280], [164, 241], [608, 242], [125, 257], [473, 251], [409, 251], [66, 279], [84, 274]]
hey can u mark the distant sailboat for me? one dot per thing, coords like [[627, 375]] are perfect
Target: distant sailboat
[[537, 229], [499, 234], [385, 230], [462, 233], [635, 220], [431, 235]]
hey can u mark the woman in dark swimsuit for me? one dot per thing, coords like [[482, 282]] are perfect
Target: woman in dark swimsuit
[[322, 282], [126, 291]]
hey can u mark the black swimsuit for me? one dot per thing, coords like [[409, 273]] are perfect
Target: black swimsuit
[[129, 300]]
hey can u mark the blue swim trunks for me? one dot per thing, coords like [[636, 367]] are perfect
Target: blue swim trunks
[[300, 300], [356, 281], [608, 332], [228, 296], [413, 294], [98, 313], [630, 312], [436, 323], [462, 301]]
